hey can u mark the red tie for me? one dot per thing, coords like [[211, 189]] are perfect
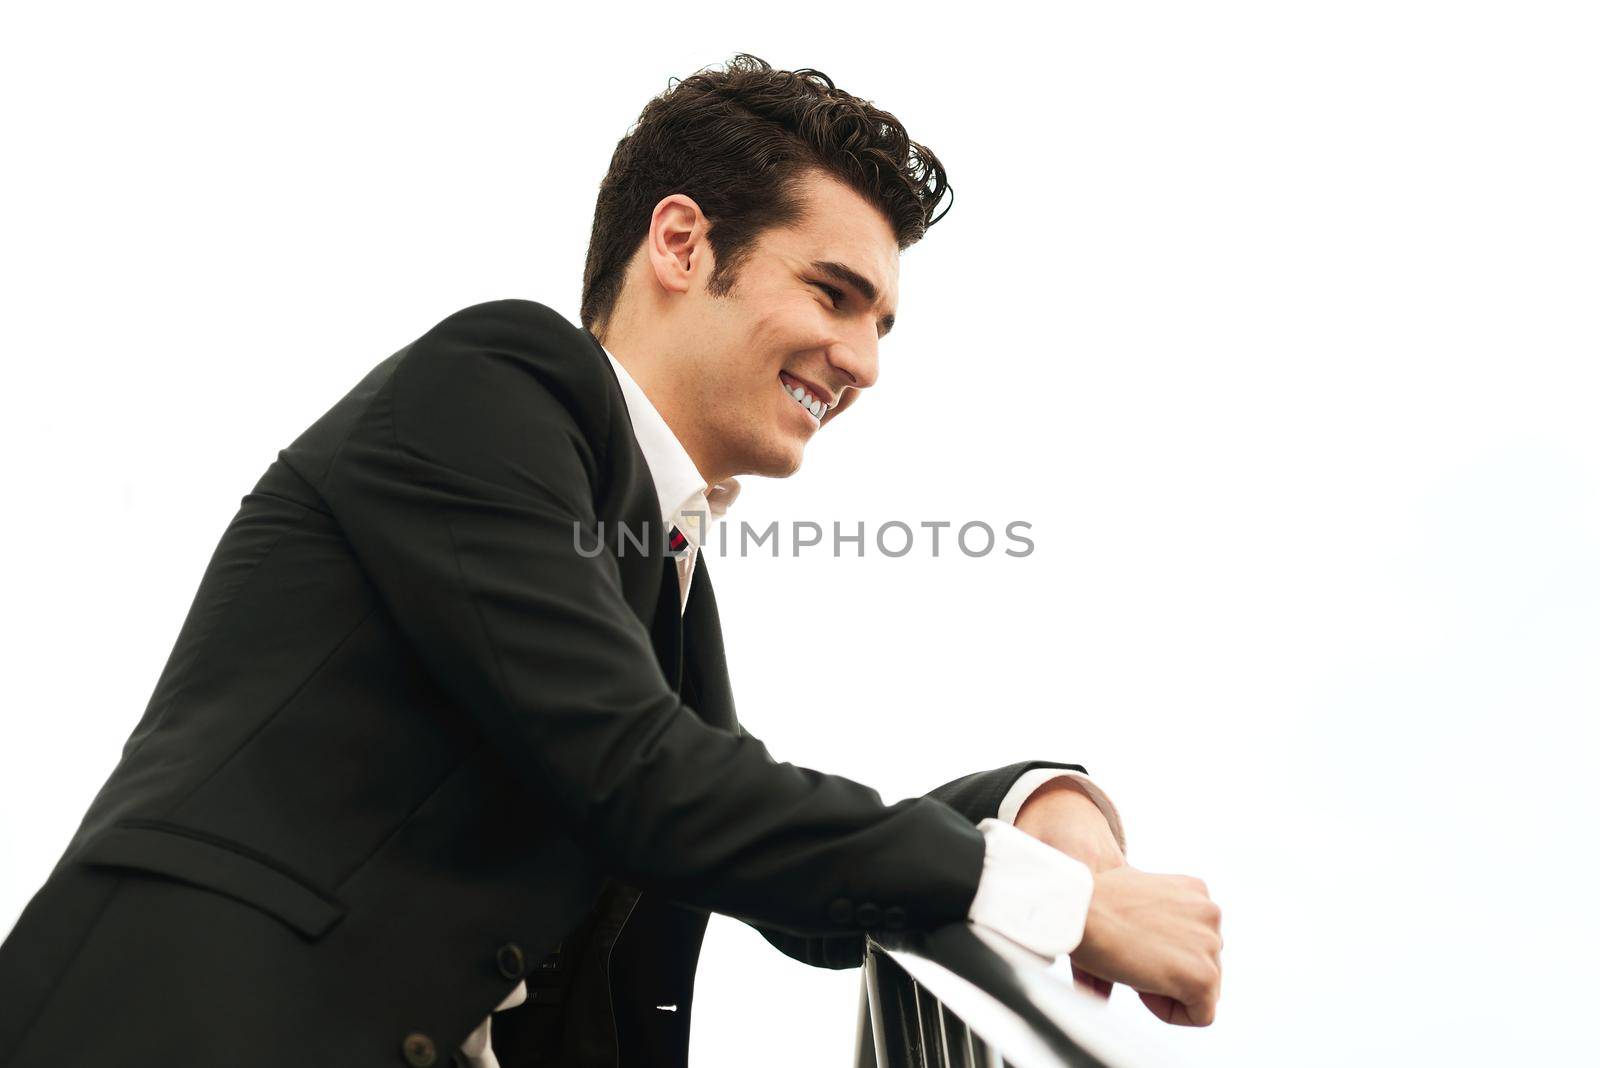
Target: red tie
[[676, 540]]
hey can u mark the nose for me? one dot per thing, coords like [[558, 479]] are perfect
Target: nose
[[856, 360]]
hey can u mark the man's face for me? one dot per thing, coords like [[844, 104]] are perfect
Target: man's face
[[808, 308]]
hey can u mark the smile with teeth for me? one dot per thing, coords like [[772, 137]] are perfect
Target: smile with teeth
[[804, 397]]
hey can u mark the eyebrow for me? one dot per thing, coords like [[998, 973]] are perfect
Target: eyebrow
[[849, 276]]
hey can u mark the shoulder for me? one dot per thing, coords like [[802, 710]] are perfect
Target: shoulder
[[511, 319], [534, 336], [516, 354], [504, 391]]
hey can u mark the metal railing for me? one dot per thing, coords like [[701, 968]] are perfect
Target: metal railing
[[959, 997]]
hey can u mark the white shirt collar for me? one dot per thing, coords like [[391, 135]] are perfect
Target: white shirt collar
[[686, 501]]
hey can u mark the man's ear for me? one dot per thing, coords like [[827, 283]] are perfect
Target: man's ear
[[676, 245]]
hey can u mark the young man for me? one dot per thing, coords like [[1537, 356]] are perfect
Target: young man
[[448, 728]]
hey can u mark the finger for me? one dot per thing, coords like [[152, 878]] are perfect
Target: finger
[[1171, 1010], [1091, 984], [1167, 1010], [1159, 1004]]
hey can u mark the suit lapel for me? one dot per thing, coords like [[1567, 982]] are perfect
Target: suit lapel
[[688, 643], [653, 571], [666, 633], [706, 688]]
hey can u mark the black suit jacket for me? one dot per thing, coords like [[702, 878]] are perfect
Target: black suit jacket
[[421, 738]]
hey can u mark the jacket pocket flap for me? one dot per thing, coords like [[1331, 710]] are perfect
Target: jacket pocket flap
[[214, 864]]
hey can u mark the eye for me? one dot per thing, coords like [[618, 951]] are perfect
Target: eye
[[834, 294]]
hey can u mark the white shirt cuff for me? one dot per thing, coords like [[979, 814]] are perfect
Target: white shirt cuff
[[1029, 781], [1030, 892]]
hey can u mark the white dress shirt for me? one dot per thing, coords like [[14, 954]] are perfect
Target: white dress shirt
[[1031, 893]]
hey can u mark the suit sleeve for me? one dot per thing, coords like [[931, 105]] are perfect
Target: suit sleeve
[[976, 797], [466, 488]]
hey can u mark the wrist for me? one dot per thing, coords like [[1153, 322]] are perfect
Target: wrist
[[1046, 806]]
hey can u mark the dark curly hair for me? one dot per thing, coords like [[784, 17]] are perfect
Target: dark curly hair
[[737, 141]]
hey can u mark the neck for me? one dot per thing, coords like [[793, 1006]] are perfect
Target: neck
[[653, 372]]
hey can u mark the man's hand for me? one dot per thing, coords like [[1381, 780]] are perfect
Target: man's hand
[[1160, 934], [1060, 814]]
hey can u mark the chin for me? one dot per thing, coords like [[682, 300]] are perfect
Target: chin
[[774, 459]]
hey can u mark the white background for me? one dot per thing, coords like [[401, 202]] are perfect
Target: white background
[[1277, 321]]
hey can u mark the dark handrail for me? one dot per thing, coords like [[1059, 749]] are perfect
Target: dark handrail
[[951, 998]]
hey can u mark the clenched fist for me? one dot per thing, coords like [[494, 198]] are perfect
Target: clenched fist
[[1161, 935]]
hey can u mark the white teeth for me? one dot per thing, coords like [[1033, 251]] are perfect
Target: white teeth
[[812, 404]]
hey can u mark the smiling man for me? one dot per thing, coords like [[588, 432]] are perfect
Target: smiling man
[[416, 757], [750, 372]]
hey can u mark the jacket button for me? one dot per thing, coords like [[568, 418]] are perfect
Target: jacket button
[[419, 1051], [508, 958], [841, 911], [867, 914], [894, 918]]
